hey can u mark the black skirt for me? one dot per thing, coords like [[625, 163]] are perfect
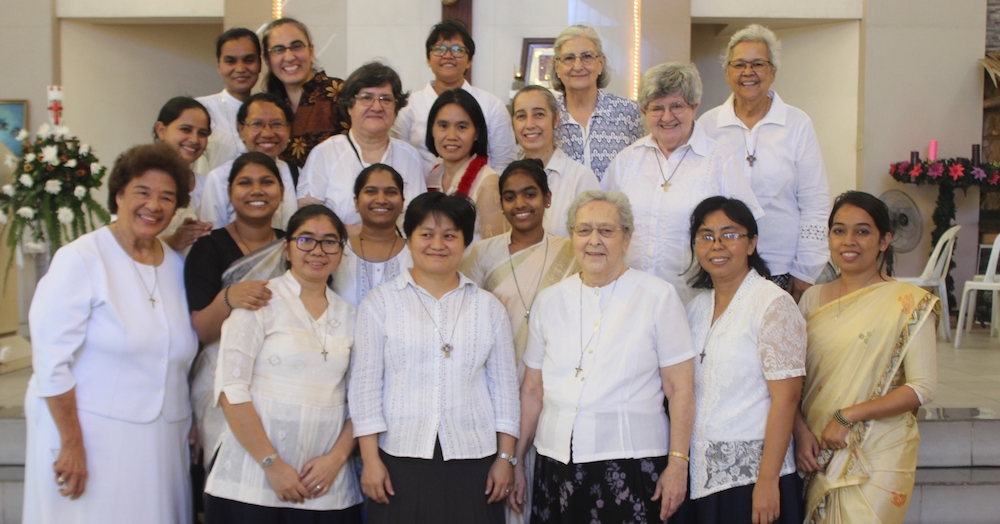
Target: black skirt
[[436, 491], [735, 505], [225, 511], [609, 492]]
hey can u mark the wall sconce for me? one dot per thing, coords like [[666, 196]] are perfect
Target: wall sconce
[[276, 6]]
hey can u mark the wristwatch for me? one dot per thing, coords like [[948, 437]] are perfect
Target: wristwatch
[[268, 460], [509, 458]]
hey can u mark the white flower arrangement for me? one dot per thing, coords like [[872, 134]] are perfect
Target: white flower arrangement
[[52, 186], [26, 180], [26, 212], [65, 215]]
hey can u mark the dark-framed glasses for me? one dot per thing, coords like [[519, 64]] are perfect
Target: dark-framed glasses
[[675, 108], [258, 125], [367, 99], [756, 65], [585, 230], [727, 239], [587, 58], [295, 48], [329, 246], [457, 51]]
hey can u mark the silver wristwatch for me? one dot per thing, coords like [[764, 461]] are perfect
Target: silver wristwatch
[[509, 458], [268, 460]]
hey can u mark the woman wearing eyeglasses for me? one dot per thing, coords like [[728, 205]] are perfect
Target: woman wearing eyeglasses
[[667, 173], [777, 151], [282, 384], [294, 76], [594, 125], [449, 49], [370, 100]]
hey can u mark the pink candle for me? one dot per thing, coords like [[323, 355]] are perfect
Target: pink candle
[[932, 150]]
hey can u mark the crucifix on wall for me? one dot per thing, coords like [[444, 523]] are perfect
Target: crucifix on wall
[[459, 10]]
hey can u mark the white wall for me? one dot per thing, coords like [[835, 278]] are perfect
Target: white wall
[[137, 8], [828, 9]]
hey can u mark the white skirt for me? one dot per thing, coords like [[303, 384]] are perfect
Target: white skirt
[[136, 472]]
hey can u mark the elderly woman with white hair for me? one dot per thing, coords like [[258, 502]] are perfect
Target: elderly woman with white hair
[[668, 172], [778, 153], [596, 376], [594, 125]]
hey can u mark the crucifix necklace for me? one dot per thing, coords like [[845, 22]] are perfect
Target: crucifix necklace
[[666, 179], [513, 272], [322, 336], [445, 346], [597, 325], [156, 281], [751, 154]]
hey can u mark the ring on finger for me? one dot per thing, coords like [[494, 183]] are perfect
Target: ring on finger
[[319, 487], [61, 480]]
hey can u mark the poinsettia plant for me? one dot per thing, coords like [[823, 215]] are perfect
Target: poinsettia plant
[[954, 172], [49, 201]]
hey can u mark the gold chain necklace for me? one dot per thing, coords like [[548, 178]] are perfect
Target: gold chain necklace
[[597, 325], [156, 280]]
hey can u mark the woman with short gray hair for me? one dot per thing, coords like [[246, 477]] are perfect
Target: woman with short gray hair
[[667, 173], [777, 151]]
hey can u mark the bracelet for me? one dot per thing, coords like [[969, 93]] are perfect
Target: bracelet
[[680, 455], [842, 421], [225, 297]]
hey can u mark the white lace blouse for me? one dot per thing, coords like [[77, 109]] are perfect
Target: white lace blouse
[[760, 336], [273, 357]]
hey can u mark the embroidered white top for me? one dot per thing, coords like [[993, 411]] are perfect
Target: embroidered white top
[[614, 408], [224, 144], [789, 179], [333, 166], [355, 276], [216, 208], [567, 179], [411, 125], [760, 336], [697, 170], [405, 389], [273, 357]]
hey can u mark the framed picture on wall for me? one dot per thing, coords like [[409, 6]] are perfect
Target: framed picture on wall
[[537, 55], [13, 118]]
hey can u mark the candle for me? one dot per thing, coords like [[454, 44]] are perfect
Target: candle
[[932, 150], [914, 158], [975, 155]]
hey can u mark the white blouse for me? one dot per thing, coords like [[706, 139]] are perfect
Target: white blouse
[[273, 358], [760, 336], [225, 143], [407, 390], [661, 242], [355, 276], [567, 178], [216, 208], [614, 408]]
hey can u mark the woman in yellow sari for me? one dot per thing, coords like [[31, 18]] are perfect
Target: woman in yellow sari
[[871, 361]]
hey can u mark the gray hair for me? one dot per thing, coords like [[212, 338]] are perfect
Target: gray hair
[[568, 34], [755, 33], [550, 100], [620, 200], [670, 79]]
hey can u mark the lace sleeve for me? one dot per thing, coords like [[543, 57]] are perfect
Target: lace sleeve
[[492, 221], [781, 343], [242, 340]]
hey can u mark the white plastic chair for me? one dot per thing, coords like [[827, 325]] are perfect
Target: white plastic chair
[[986, 282], [935, 276]]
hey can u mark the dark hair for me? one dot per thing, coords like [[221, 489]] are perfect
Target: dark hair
[[308, 212], [532, 167], [366, 173], [236, 33], [258, 158], [447, 29], [459, 210], [137, 160], [738, 212], [272, 84], [466, 101], [241, 113], [175, 107], [880, 215], [372, 74]]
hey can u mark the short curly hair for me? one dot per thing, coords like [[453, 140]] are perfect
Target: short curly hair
[[137, 160]]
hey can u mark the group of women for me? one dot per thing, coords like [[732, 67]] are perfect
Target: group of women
[[340, 344]]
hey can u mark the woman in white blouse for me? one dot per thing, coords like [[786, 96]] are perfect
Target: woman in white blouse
[[282, 383], [433, 389], [107, 407], [748, 377], [667, 173], [597, 373]]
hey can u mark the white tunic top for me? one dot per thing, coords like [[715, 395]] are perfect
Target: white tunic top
[[697, 170], [355, 276], [224, 144], [567, 179], [405, 388], [273, 357], [411, 125], [760, 336], [333, 166], [614, 408], [789, 179], [216, 208]]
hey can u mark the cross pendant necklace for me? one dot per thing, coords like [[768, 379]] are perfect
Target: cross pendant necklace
[[322, 336], [446, 347], [156, 281], [751, 158], [666, 179], [597, 325], [541, 273]]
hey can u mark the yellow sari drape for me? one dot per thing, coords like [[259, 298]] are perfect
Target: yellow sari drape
[[856, 349]]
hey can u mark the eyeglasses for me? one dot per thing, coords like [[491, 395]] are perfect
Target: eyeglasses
[[727, 239], [586, 58], [756, 65], [585, 230], [328, 245], [367, 99], [259, 126], [296, 47], [676, 109], [457, 51]]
